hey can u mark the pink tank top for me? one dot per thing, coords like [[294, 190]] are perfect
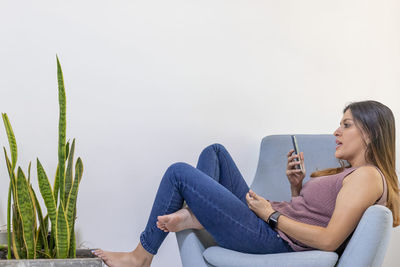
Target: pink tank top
[[316, 202]]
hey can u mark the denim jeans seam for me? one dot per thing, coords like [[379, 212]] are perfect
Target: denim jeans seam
[[154, 226], [146, 246], [216, 175], [172, 195], [223, 212], [230, 172]]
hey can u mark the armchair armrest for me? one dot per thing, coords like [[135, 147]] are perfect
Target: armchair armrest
[[192, 244], [370, 239]]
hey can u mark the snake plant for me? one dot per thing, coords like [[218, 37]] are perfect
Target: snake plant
[[34, 235]]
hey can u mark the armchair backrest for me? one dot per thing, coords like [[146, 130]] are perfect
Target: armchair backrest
[[270, 180]]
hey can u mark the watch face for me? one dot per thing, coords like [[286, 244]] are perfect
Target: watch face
[[273, 224], [273, 220]]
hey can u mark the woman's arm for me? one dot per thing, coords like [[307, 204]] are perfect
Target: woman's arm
[[295, 191], [360, 190]]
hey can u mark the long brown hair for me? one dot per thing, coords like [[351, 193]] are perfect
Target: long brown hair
[[377, 122]]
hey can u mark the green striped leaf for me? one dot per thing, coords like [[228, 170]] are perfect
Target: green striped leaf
[[56, 186], [68, 174], [42, 254], [29, 173], [42, 232], [61, 130], [52, 241], [10, 172], [31, 194], [79, 166], [62, 234], [9, 222], [17, 235], [72, 249], [71, 203], [15, 247], [46, 226], [47, 193], [11, 140], [39, 244], [25, 207], [67, 150], [11, 191]]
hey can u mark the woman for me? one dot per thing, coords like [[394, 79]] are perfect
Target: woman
[[321, 215]]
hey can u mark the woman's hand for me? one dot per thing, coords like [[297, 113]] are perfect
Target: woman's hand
[[259, 205], [295, 176]]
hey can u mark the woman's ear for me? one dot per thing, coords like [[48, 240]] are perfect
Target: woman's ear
[[368, 141], [366, 138]]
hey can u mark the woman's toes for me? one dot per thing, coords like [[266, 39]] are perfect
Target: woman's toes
[[163, 219], [96, 252], [161, 226]]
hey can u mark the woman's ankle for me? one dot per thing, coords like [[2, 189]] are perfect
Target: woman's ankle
[[143, 255], [195, 222]]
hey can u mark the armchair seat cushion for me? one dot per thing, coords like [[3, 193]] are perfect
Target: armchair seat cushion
[[221, 257]]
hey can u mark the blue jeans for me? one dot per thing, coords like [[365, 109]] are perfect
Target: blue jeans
[[215, 192]]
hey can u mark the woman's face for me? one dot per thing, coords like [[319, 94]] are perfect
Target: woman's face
[[349, 142]]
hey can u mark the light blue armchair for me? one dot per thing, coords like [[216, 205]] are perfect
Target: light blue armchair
[[366, 247]]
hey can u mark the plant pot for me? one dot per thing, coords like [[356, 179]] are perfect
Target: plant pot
[[84, 258]]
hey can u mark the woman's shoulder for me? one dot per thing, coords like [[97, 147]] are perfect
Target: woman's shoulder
[[366, 176], [370, 172]]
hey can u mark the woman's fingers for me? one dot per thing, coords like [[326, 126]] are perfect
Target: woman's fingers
[[291, 158], [290, 152], [293, 163], [253, 194], [248, 200], [248, 197], [293, 171]]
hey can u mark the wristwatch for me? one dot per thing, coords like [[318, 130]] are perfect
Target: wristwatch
[[273, 219]]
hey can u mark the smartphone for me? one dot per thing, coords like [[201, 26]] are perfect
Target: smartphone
[[296, 151]]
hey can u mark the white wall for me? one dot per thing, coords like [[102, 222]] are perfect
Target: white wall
[[150, 83]]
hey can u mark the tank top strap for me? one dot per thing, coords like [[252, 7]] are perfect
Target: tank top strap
[[383, 199], [344, 173]]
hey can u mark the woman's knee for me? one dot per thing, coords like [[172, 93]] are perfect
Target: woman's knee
[[178, 168], [211, 151], [216, 147]]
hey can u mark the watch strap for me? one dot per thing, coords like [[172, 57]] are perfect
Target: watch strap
[[273, 219]]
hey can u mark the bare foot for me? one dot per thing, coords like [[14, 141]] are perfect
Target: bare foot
[[137, 258], [178, 221]]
